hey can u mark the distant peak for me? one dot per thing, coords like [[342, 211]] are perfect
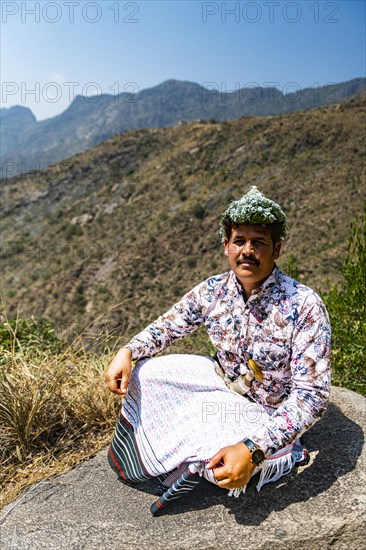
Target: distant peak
[[18, 111]]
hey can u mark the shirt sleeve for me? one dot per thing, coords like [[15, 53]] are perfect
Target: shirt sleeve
[[310, 367], [183, 318]]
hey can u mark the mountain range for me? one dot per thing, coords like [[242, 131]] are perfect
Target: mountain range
[[27, 144]]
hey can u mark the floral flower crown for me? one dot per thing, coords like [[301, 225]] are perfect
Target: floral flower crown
[[254, 208]]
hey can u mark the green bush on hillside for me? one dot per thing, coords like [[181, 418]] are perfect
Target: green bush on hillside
[[29, 335], [199, 211], [347, 310]]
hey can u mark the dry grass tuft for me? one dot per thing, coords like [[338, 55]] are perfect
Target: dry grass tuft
[[55, 411]]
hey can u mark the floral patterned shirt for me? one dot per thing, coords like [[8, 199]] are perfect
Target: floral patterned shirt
[[283, 326]]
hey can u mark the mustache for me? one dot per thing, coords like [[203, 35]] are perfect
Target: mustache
[[248, 259]]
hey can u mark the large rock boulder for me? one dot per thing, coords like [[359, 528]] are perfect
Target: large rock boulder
[[320, 505]]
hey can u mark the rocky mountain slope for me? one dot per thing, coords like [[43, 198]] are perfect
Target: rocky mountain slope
[[27, 144], [115, 235]]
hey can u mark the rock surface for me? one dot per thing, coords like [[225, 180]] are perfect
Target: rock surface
[[321, 505]]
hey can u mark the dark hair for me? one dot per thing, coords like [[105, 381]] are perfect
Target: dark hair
[[275, 229]]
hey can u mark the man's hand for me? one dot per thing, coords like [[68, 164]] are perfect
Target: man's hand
[[118, 373], [232, 466]]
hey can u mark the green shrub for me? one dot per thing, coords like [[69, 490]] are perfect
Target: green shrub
[[79, 299], [347, 312], [70, 231], [291, 268], [346, 306], [29, 334], [199, 211]]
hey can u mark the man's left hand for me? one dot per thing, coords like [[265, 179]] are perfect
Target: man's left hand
[[232, 466]]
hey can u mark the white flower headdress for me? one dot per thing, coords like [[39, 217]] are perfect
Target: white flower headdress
[[254, 208]]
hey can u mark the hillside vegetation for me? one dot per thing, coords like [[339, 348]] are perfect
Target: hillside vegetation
[[134, 221]]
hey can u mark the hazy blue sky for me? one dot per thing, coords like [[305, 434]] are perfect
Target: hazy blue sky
[[60, 49]]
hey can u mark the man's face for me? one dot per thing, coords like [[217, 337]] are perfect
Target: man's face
[[251, 254]]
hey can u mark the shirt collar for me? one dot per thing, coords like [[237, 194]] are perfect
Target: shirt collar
[[272, 280]]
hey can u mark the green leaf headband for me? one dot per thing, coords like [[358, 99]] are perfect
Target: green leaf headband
[[254, 208]]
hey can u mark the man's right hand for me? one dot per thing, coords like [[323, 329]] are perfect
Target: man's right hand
[[118, 372]]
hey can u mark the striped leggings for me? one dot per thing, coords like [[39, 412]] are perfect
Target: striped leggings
[[125, 461]]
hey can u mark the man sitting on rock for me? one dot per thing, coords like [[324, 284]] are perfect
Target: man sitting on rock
[[242, 412]]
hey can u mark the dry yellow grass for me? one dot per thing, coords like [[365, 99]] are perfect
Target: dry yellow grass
[[55, 411]]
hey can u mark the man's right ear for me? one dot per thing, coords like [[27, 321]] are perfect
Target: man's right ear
[[226, 244]]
